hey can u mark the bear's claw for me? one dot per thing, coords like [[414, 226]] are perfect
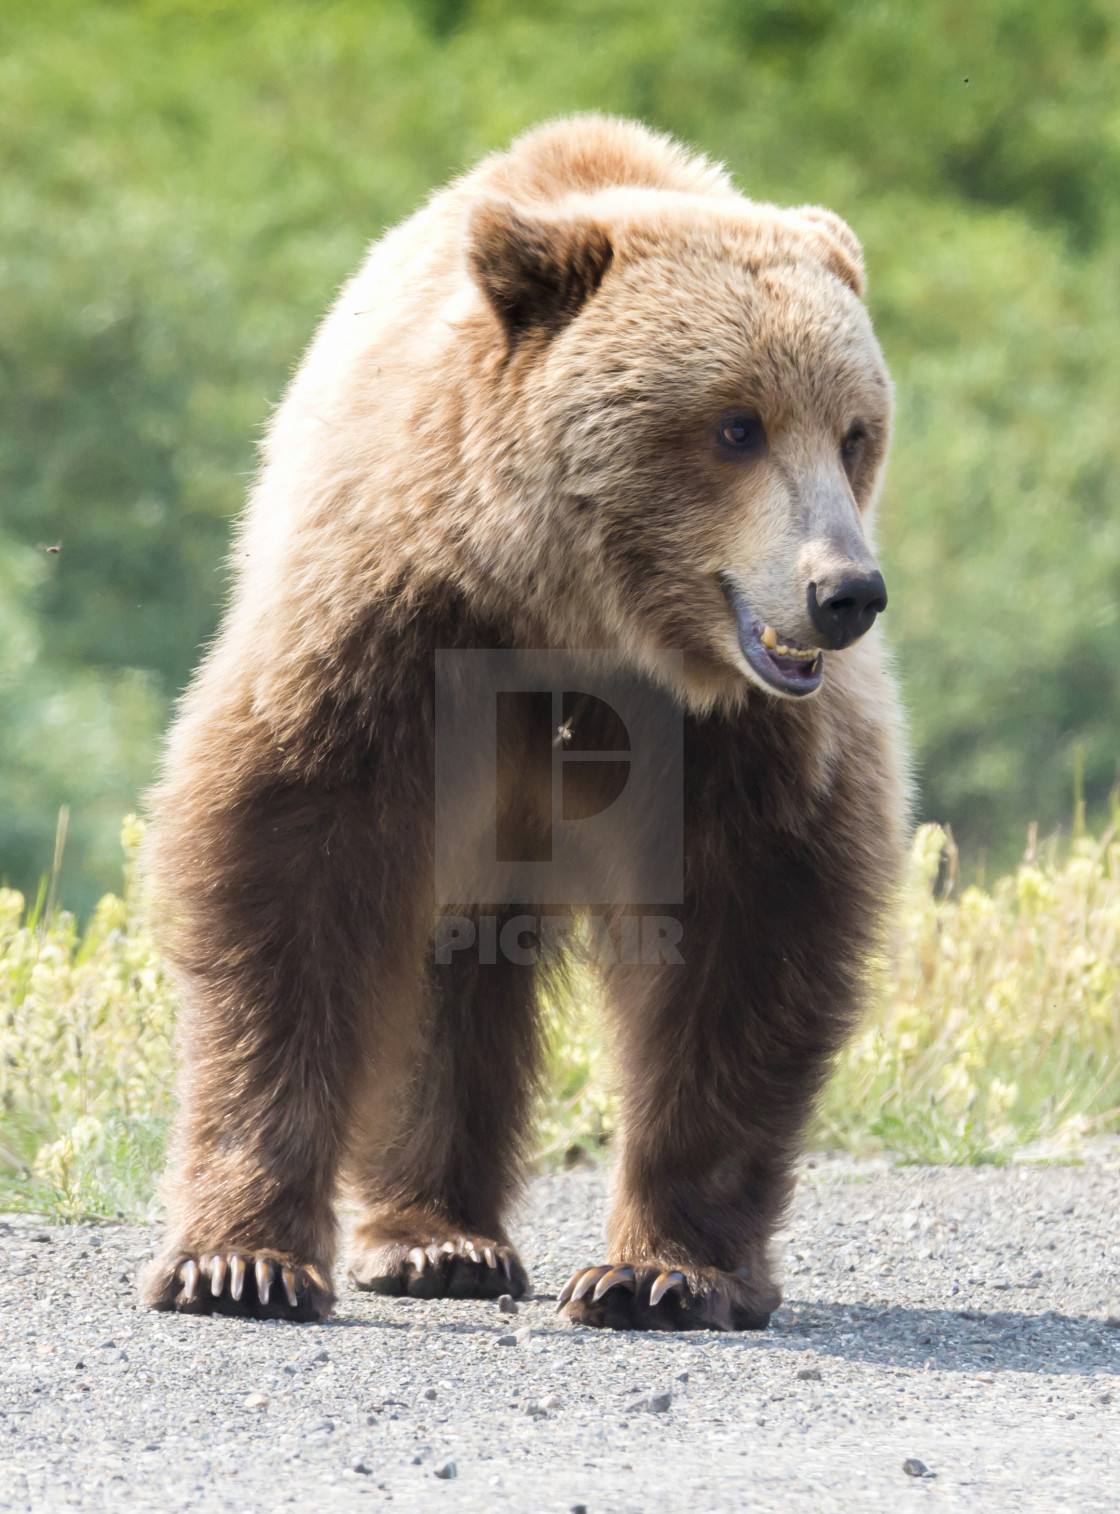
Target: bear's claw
[[261, 1287], [606, 1278], [189, 1275], [236, 1278], [465, 1267], [625, 1297], [663, 1283]]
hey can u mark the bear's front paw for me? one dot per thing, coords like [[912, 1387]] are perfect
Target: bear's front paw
[[255, 1284], [459, 1267], [648, 1297]]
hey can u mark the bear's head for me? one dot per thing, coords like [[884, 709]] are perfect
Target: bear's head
[[694, 414]]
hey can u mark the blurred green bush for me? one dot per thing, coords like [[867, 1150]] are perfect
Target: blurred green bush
[[185, 184]]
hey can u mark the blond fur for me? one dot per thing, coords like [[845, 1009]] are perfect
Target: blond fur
[[501, 436]]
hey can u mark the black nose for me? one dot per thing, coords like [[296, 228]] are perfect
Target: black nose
[[842, 612]]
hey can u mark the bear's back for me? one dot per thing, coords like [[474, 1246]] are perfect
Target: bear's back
[[406, 329], [397, 318]]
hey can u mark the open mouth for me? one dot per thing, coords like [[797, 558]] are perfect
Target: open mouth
[[780, 663]]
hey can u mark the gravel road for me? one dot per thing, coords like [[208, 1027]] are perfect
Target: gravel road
[[964, 1322]]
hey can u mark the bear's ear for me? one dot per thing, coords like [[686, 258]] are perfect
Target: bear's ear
[[843, 254], [537, 273]]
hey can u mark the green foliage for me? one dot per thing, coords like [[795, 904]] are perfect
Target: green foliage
[[86, 1027], [185, 184], [84, 736]]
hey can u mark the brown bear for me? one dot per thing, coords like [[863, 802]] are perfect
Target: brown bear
[[589, 397]]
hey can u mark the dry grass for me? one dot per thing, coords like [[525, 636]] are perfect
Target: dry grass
[[996, 1028], [86, 1053], [996, 1031]]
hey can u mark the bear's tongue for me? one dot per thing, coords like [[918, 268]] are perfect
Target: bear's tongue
[[787, 667]]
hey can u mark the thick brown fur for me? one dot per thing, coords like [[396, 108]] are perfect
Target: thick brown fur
[[502, 436]]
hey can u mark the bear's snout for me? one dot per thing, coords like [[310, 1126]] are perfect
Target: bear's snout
[[842, 612]]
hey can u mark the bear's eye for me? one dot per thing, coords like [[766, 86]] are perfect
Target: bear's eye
[[853, 441], [741, 433]]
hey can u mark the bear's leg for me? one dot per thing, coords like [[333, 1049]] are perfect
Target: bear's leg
[[271, 930], [720, 1061], [435, 1169]]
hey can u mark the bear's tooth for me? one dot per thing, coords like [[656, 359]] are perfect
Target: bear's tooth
[[769, 638]]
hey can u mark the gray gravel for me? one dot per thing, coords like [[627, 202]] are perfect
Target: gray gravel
[[950, 1340]]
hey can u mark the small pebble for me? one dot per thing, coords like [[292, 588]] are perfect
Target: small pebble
[[429, 1394], [507, 1304], [446, 1470], [255, 1401], [524, 1335], [809, 1375], [361, 1468], [915, 1468], [507, 1340], [648, 1403], [325, 1425]]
